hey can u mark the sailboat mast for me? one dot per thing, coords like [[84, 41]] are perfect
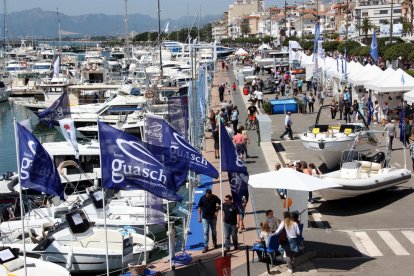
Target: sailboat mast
[[126, 30], [60, 38], [159, 37], [5, 24]]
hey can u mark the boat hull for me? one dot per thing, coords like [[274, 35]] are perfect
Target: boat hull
[[360, 186], [329, 150]]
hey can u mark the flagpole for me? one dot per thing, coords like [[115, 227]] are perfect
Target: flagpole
[[145, 228], [20, 195], [221, 191], [104, 206], [169, 234], [405, 157]]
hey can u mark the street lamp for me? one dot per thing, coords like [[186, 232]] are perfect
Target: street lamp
[[391, 23]]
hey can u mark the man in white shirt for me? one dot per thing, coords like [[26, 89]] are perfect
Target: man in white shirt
[[288, 126], [259, 96]]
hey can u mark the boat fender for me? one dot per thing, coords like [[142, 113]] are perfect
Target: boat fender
[[65, 58], [94, 67], [88, 67], [65, 164]]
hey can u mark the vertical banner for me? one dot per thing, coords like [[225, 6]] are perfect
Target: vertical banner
[[155, 210], [201, 88], [178, 110], [239, 187]]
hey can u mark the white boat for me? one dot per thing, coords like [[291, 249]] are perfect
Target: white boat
[[76, 245], [4, 93], [12, 264], [360, 174], [329, 140]]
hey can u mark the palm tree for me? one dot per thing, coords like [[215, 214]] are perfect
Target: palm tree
[[410, 3], [407, 26], [365, 27]]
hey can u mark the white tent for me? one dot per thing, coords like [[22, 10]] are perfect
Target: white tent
[[392, 82], [241, 52], [289, 179], [264, 46], [368, 75], [409, 97]]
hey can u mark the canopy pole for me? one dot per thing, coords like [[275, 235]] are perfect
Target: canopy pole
[[169, 234]]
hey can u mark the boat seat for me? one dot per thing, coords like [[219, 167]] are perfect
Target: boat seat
[[320, 136], [366, 166], [315, 130], [375, 168], [347, 131]]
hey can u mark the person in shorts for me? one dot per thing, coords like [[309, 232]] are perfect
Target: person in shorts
[[251, 111]]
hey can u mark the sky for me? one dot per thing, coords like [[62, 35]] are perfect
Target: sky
[[169, 8]]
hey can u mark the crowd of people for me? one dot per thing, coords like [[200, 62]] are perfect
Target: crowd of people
[[287, 230]]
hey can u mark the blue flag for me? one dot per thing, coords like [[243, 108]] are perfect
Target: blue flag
[[180, 148], [154, 126], [239, 187], [402, 124], [373, 51], [316, 38], [128, 165], [370, 110], [58, 110], [37, 169], [230, 160], [178, 114]]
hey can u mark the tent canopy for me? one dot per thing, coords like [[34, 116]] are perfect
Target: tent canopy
[[241, 52], [391, 81], [409, 97], [264, 46], [290, 179]]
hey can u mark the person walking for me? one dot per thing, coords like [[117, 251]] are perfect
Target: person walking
[[221, 92], [208, 208], [300, 85], [407, 133], [376, 111], [233, 86], [341, 104], [292, 232], [347, 111], [238, 140], [259, 97], [304, 102], [311, 102], [251, 112], [412, 154], [216, 138], [333, 109], [288, 126], [391, 130], [231, 222], [235, 118], [355, 108]]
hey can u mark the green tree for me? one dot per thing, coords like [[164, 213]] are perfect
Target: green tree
[[402, 50], [407, 27], [365, 27], [245, 27], [349, 45], [330, 46], [361, 51]]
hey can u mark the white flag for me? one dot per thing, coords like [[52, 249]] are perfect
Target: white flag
[[166, 28], [67, 127], [56, 67]]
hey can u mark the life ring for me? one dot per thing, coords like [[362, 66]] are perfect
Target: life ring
[[88, 67], [65, 164], [94, 67], [65, 58], [149, 94], [23, 63]]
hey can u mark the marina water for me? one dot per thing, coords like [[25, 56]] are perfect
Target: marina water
[[8, 111]]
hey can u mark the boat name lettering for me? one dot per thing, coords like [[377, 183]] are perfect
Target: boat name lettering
[[120, 170]]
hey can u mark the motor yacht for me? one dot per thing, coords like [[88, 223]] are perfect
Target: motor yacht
[[329, 139], [361, 174]]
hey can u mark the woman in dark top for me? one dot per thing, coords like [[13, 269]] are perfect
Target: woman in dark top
[[216, 143], [355, 108]]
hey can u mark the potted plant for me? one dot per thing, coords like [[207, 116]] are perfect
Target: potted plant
[[267, 107]]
